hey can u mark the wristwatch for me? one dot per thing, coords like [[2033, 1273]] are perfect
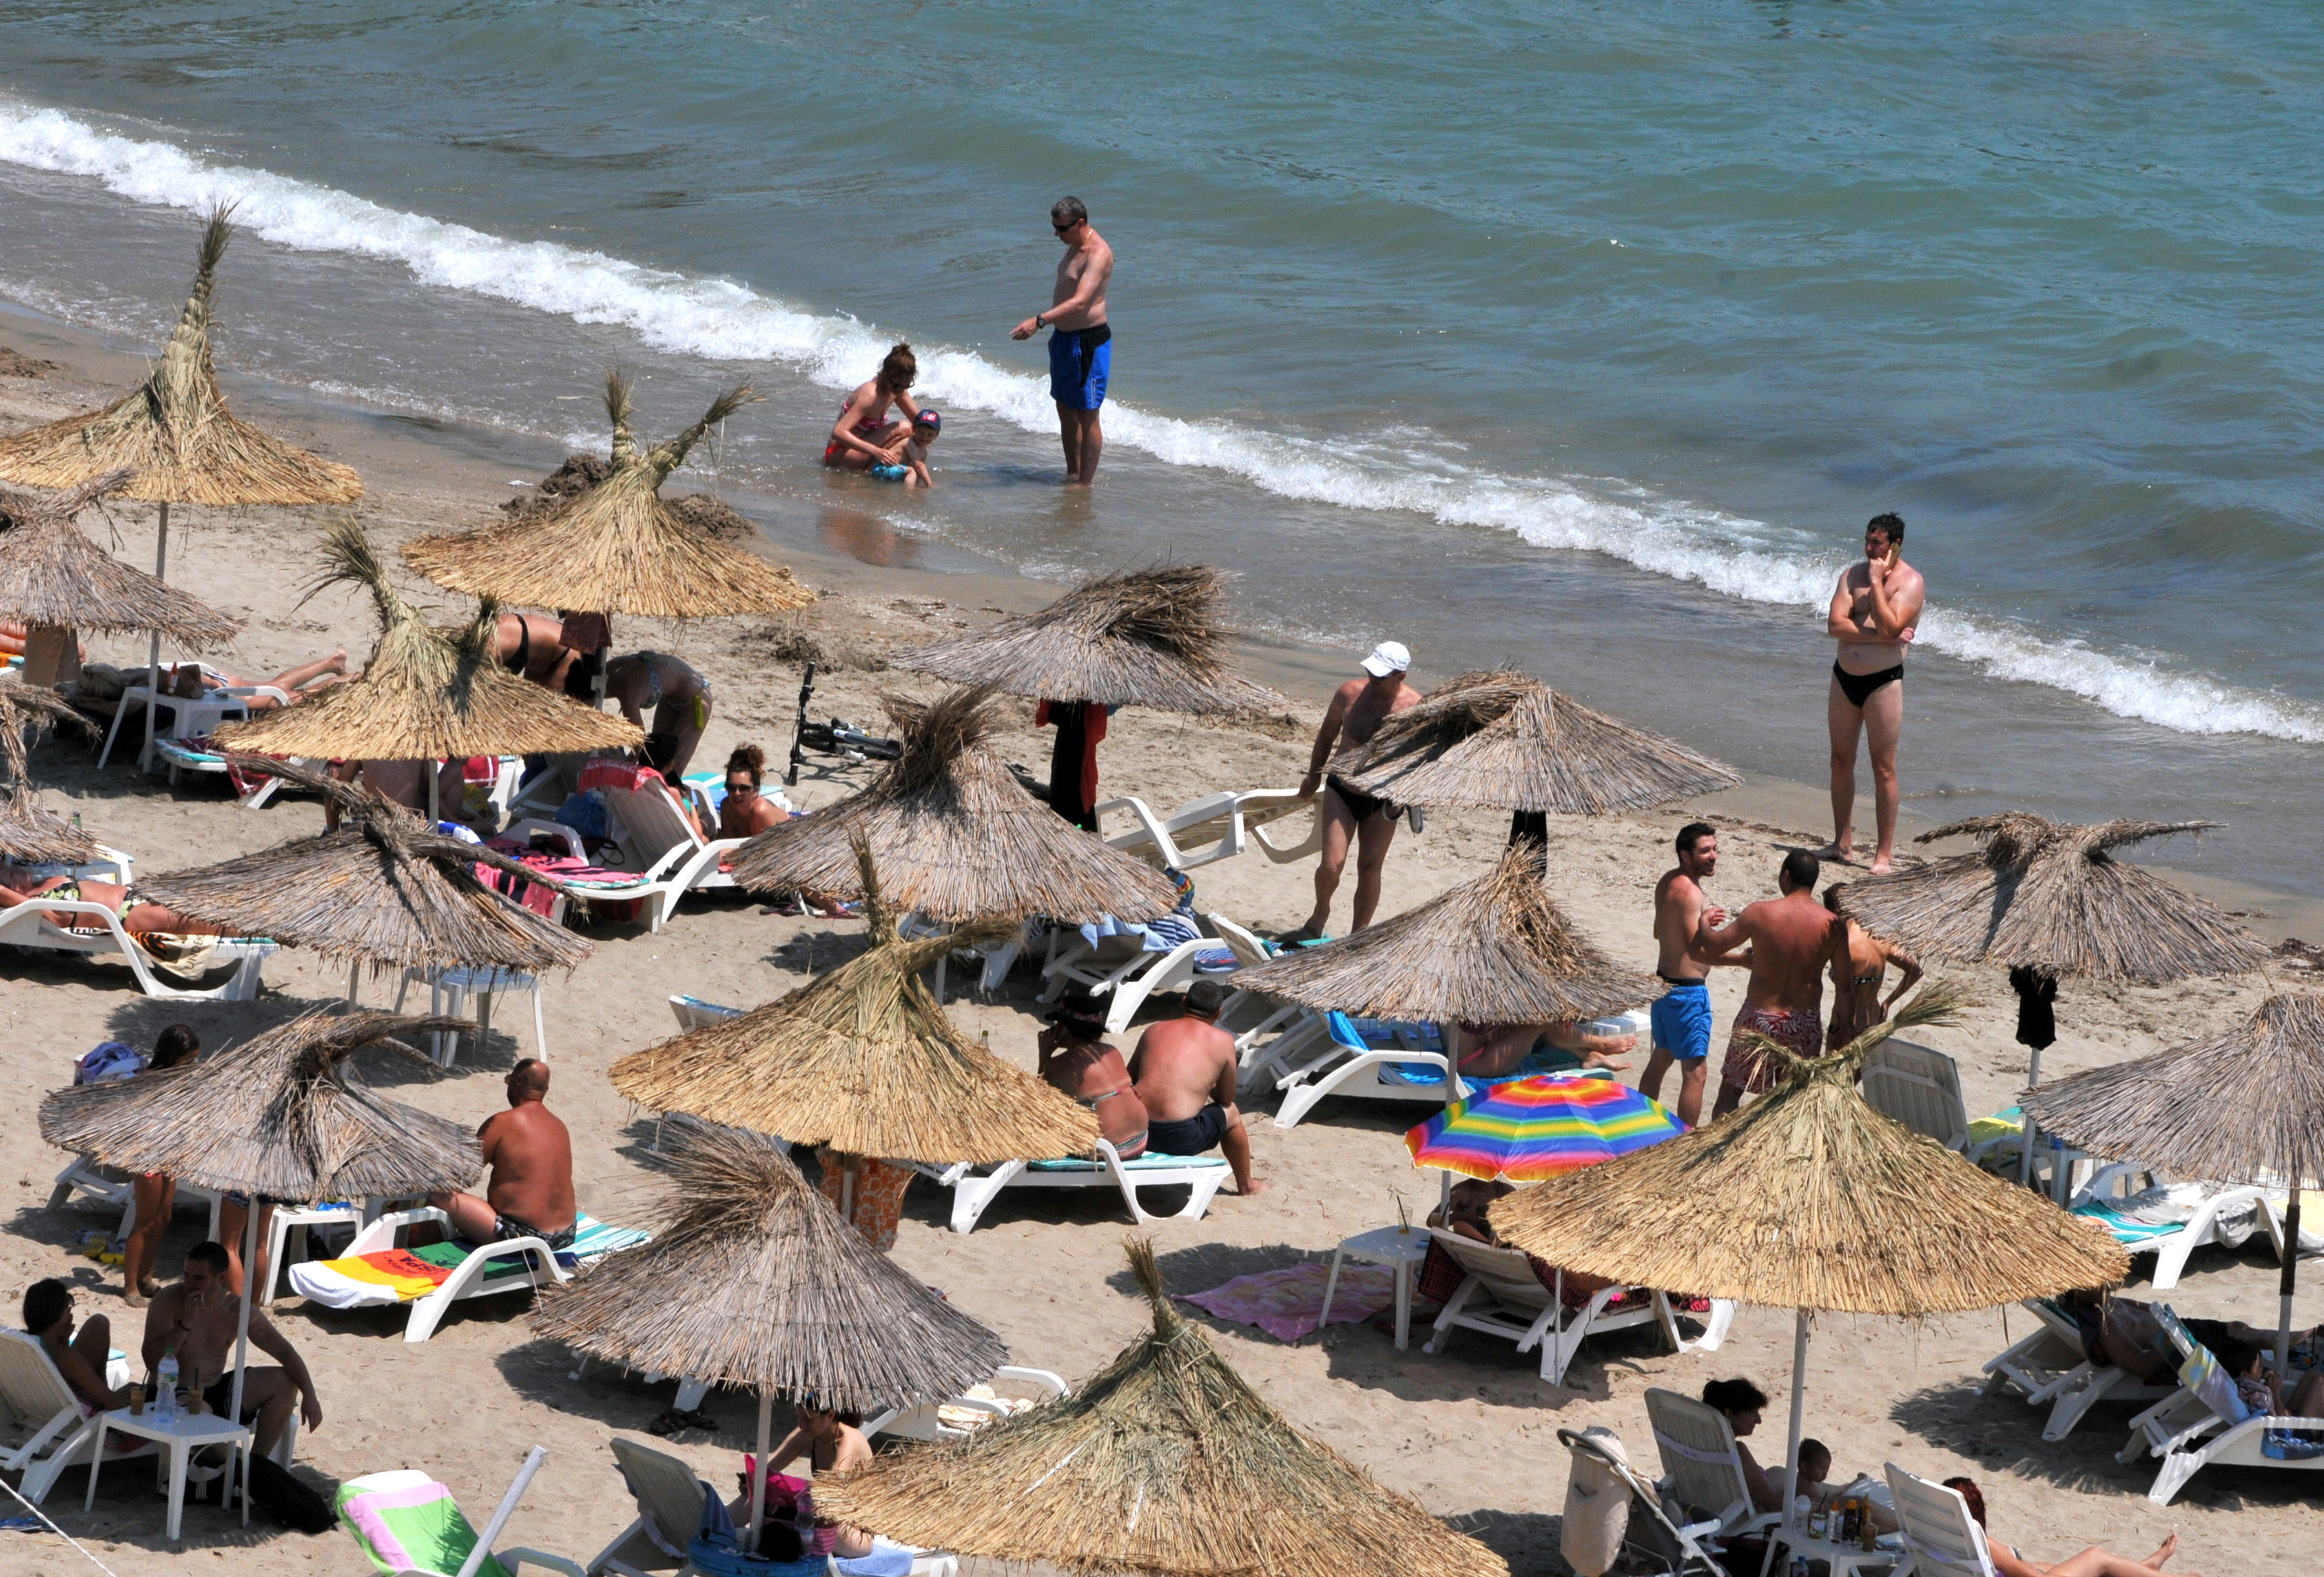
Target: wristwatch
[[1040, 321]]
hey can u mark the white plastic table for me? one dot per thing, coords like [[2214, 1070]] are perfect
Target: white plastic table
[[1400, 1248], [1839, 1560], [179, 1440]]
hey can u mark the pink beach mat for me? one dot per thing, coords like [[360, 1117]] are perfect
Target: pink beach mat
[[1286, 1303]]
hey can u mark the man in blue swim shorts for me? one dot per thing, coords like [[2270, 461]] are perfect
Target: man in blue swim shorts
[[1081, 341], [1681, 1017]]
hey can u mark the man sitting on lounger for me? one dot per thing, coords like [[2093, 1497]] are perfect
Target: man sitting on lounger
[[1073, 1054], [196, 1318], [138, 918], [1185, 1069], [530, 1195]]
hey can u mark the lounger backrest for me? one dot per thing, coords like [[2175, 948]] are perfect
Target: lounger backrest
[[649, 821], [1247, 950], [1701, 1469], [1944, 1538], [1920, 1088], [667, 1493], [1505, 1273], [30, 1386]]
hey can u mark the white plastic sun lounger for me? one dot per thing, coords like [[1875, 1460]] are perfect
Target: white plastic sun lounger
[[493, 1269], [2051, 1368], [1124, 972], [2169, 1222], [2199, 1426], [1322, 1054], [1011, 1390], [109, 1188], [1217, 827], [661, 846], [1940, 1538], [27, 925], [1500, 1295], [1702, 1470], [48, 1434], [974, 1190]]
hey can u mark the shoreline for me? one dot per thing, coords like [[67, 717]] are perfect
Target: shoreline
[[398, 453]]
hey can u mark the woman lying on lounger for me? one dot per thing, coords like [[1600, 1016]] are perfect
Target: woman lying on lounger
[[137, 916], [2093, 1562], [189, 683]]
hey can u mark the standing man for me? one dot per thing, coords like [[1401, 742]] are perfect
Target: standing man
[[1874, 611], [1187, 1068], [1680, 1017], [1358, 708], [1081, 341], [530, 1154], [1793, 940]]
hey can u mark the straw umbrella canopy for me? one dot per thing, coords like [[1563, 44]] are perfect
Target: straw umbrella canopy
[[30, 833], [426, 694], [1507, 742], [385, 888], [2245, 1106], [2046, 899], [955, 835], [753, 1280], [174, 432], [618, 548], [54, 579], [1166, 1463], [1140, 638], [279, 1116], [1810, 1200], [863, 1060]]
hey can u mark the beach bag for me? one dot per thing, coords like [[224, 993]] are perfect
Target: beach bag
[[584, 813], [288, 1500], [109, 1062]]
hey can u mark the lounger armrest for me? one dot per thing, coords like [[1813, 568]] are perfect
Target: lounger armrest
[[380, 1235], [519, 1555]]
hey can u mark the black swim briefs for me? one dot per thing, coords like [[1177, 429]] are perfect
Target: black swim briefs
[[1364, 806], [1859, 688], [1188, 1136]]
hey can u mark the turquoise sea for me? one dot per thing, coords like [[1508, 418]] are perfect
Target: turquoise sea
[[1578, 337]]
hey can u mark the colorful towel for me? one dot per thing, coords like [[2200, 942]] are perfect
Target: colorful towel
[[1288, 1304], [412, 1528], [399, 1276]]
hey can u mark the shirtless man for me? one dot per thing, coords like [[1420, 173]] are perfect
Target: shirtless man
[[138, 917], [1073, 1054], [1358, 708], [1875, 609], [1185, 1069], [1860, 967], [1080, 342], [1680, 1017], [530, 1154], [1793, 940], [678, 696], [194, 1318]]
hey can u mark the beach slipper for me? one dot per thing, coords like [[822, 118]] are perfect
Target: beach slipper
[[669, 1421]]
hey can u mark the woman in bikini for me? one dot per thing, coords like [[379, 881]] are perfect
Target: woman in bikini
[[863, 436], [1857, 1004]]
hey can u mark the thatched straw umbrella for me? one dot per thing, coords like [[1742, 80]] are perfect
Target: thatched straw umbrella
[[955, 837], [753, 1280], [1810, 1200], [1163, 1462], [385, 888], [55, 581], [863, 1060], [425, 695], [29, 832], [618, 548], [2245, 1106], [1507, 742], [2045, 900], [175, 433], [278, 1117]]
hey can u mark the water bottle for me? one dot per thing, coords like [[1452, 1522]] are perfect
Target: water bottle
[[165, 1400]]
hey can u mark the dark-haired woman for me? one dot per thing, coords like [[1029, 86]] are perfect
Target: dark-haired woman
[[2093, 1562], [864, 435], [155, 1193], [81, 1359], [745, 813]]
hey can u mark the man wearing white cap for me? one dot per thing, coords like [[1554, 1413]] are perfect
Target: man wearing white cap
[[1357, 709]]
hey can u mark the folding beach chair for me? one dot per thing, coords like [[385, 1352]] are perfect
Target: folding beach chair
[[1603, 1496], [2204, 1422], [98, 931], [2168, 1221], [2053, 1368], [974, 1188], [668, 1497], [1502, 1296], [1217, 827]]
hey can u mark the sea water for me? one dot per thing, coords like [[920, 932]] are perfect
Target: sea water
[[1578, 337]]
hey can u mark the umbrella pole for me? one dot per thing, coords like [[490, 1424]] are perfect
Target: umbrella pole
[[2025, 1136], [758, 1478], [435, 770], [242, 1339], [1798, 1410], [354, 981], [2290, 1275], [153, 652]]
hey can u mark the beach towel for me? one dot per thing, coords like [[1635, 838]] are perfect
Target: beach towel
[[2163, 1212], [399, 1275], [108, 1063], [412, 1528], [1287, 1303]]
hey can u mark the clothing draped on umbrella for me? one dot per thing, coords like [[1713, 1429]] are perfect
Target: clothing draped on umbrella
[[1808, 1199], [176, 437], [2243, 1107]]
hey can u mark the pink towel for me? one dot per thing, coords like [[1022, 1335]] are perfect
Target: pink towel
[[1287, 1303]]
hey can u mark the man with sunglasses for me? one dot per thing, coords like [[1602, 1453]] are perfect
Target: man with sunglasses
[[1080, 341]]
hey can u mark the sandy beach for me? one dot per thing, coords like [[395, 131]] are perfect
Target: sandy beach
[[1470, 1434]]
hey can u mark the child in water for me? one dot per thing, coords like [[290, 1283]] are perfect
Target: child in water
[[913, 471]]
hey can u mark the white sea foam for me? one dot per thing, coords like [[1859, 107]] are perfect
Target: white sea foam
[[1404, 470]]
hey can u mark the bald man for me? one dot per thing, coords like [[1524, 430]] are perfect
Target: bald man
[[530, 1154]]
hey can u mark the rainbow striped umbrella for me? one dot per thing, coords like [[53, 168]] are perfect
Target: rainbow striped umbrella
[[1542, 1126]]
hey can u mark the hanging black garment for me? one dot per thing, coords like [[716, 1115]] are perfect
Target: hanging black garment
[[2037, 992]]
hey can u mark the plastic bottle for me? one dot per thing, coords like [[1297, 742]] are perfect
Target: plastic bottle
[[165, 1398], [1846, 1530]]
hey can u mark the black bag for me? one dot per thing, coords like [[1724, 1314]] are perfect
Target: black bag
[[283, 1496]]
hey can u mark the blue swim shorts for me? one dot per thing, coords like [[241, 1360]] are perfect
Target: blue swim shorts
[[1681, 1022], [1079, 360]]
